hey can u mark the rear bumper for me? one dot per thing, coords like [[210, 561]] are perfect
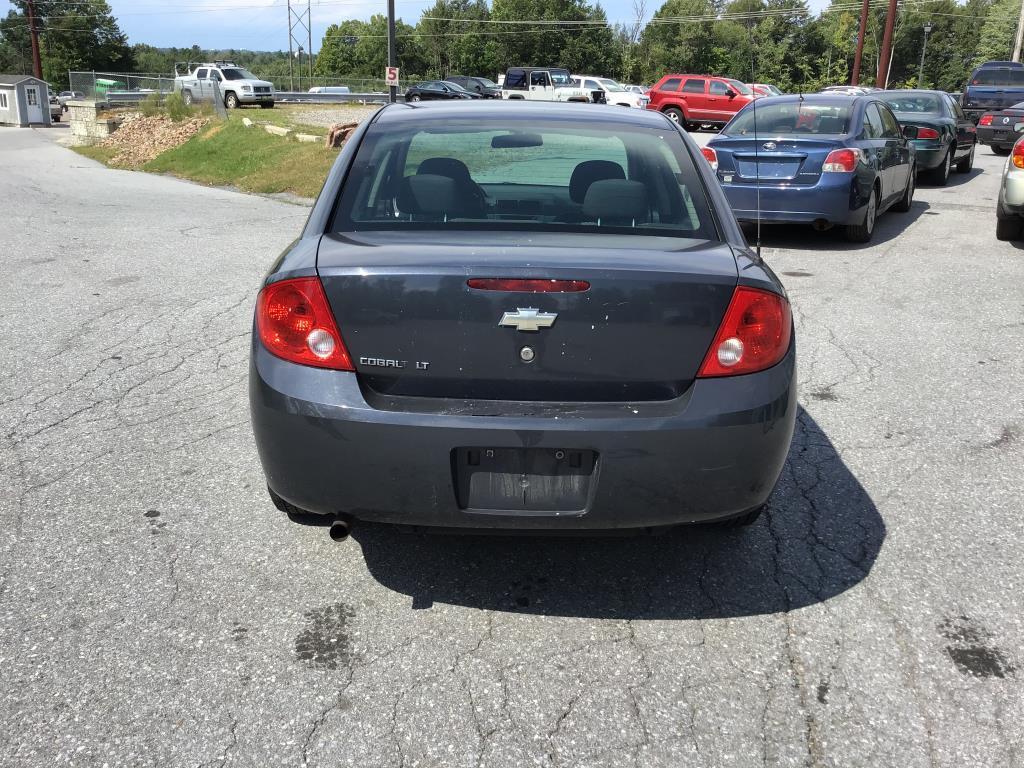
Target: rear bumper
[[997, 136], [838, 198], [714, 453], [929, 154]]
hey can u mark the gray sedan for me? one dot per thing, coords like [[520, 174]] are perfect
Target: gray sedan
[[522, 316]]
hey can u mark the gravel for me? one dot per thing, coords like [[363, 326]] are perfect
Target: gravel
[[328, 116]]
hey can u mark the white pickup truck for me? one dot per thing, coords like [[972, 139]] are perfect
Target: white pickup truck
[[545, 84], [237, 86]]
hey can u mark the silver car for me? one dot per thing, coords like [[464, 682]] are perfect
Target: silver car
[[1010, 206]]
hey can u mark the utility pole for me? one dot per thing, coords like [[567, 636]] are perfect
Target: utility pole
[[855, 79], [392, 52], [920, 70], [37, 65], [886, 55], [299, 22], [1020, 33]]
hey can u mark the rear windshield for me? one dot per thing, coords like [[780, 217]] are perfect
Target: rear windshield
[[998, 76], [926, 103], [791, 118], [514, 175]]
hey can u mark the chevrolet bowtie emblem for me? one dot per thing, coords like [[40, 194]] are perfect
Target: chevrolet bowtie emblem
[[530, 320]]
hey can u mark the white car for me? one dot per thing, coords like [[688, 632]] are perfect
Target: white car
[[614, 93], [1010, 205]]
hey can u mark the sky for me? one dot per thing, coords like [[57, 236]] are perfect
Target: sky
[[263, 24]]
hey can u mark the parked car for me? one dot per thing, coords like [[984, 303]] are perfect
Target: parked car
[[434, 90], [461, 341], [846, 90], [822, 159], [764, 89], [1010, 204], [338, 89], [546, 84], [638, 89], [992, 87], [237, 86], [479, 85], [996, 129], [614, 93], [946, 137], [65, 96], [56, 109], [694, 100]]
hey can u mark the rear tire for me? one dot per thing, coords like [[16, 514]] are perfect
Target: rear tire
[[1008, 229], [907, 200], [1001, 151], [676, 116], [743, 520], [861, 233], [965, 165], [939, 176], [414, 97], [186, 96]]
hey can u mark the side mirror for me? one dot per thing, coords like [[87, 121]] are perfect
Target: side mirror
[[732, 93], [910, 131]]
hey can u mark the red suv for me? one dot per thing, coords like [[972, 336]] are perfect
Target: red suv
[[699, 99]]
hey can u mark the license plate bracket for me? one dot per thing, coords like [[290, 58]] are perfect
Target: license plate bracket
[[525, 481]]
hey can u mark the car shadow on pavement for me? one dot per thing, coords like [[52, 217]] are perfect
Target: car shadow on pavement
[[801, 237], [819, 537]]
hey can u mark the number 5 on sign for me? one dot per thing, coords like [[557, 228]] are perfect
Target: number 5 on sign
[[391, 76]]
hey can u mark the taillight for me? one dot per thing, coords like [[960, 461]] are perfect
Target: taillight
[[754, 334], [711, 156], [927, 133], [1018, 154], [985, 120], [841, 161], [295, 323]]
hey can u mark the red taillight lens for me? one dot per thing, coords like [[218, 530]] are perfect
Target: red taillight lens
[[754, 334], [531, 285], [985, 120], [711, 156], [1017, 158], [841, 161], [927, 133], [295, 323]]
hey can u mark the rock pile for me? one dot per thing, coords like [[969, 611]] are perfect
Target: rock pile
[[140, 138]]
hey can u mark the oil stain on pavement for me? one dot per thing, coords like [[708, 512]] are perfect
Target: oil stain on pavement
[[971, 650], [324, 643]]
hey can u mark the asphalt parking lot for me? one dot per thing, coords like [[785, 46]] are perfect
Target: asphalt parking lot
[[155, 609]]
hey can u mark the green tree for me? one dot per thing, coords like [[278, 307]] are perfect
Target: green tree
[[995, 39], [83, 36]]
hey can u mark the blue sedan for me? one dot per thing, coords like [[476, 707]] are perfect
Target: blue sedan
[[826, 160]]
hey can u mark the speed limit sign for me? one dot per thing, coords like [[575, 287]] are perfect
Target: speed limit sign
[[391, 76]]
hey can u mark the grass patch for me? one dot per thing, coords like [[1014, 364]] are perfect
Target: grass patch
[[100, 154], [248, 158]]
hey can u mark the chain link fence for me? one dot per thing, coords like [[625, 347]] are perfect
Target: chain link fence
[[96, 85]]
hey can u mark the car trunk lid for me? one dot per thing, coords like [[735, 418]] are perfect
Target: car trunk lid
[[790, 161], [415, 327]]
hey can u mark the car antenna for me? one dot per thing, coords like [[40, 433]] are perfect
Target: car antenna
[[757, 162]]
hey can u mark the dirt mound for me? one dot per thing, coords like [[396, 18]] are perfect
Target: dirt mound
[[139, 139]]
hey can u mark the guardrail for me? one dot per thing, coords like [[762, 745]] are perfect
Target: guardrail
[[285, 97]]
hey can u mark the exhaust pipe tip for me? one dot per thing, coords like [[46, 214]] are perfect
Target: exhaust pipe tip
[[821, 225], [340, 530]]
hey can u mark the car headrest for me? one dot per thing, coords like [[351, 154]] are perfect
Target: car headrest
[[830, 124], [589, 171], [616, 200], [444, 166], [427, 193]]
